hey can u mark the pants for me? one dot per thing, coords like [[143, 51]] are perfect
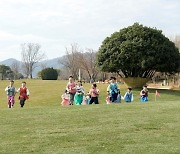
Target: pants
[[22, 101], [113, 97], [11, 101], [71, 102], [144, 99], [94, 99]]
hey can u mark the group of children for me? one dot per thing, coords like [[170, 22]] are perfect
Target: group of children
[[11, 92], [75, 94]]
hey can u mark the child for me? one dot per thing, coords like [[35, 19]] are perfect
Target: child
[[71, 88], [65, 98], [87, 98], [94, 92], [23, 94], [11, 92], [112, 90], [78, 98], [128, 97], [144, 94]]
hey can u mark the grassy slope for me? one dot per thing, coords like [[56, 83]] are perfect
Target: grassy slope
[[43, 126]]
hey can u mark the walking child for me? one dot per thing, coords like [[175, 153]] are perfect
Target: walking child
[[11, 92], [94, 92], [71, 88], [23, 94], [144, 94], [128, 97]]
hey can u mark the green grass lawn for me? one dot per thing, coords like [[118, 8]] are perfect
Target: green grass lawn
[[43, 126]]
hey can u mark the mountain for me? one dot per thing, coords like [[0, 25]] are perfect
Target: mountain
[[9, 62], [39, 66]]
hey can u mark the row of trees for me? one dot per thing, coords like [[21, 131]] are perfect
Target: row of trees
[[75, 59], [7, 72]]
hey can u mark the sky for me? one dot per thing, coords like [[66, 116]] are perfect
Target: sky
[[56, 24]]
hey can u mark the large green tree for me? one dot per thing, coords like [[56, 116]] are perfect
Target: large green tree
[[49, 74], [138, 51]]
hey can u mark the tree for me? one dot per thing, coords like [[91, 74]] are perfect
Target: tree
[[31, 54], [15, 67], [87, 62], [5, 70], [138, 51], [49, 74], [70, 60]]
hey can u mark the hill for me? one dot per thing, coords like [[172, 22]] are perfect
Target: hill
[[39, 66]]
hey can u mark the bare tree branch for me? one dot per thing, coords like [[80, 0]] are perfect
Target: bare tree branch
[[30, 54]]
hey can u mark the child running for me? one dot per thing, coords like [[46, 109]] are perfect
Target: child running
[[11, 92], [113, 90], [128, 97], [23, 94], [65, 98], [87, 98], [71, 88], [78, 98], [94, 92], [144, 94]]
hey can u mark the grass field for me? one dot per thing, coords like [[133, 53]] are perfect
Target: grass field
[[43, 126]]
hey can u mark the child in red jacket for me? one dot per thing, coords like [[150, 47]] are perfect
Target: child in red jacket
[[23, 94]]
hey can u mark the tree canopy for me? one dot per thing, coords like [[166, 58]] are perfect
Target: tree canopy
[[5, 70], [138, 51], [49, 74]]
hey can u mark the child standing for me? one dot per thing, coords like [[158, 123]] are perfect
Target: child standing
[[11, 92], [71, 88], [128, 97], [23, 94], [65, 98], [112, 90], [94, 92], [78, 98], [144, 94]]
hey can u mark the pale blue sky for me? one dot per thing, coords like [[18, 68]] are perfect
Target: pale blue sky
[[55, 24]]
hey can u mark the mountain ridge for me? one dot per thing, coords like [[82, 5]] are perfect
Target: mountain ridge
[[54, 62]]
